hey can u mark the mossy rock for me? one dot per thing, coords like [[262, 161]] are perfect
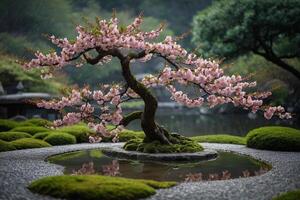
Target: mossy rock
[[291, 195], [28, 143], [94, 187], [42, 135], [39, 122], [60, 138], [6, 146], [6, 125], [220, 138], [30, 129], [10, 135], [180, 144], [274, 138], [80, 131]]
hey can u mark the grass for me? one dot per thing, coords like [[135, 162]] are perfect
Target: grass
[[10, 136], [28, 143], [222, 138], [274, 138], [291, 195], [6, 146], [94, 187], [30, 129], [60, 138], [180, 144]]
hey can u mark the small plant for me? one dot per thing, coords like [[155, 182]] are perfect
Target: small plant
[[10, 136], [28, 143], [30, 129]]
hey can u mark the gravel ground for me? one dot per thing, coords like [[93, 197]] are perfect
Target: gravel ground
[[19, 168]]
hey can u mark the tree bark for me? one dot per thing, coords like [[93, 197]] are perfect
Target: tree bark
[[151, 129]]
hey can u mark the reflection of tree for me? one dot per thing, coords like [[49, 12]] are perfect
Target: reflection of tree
[[107, 170], [86, 169], [112, 169], [225, 175]]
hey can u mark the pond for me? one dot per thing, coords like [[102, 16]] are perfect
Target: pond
[[192, 123], [225, 166]]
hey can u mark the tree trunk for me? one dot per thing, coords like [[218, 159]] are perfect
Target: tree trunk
[[151, 129], [277, 61]]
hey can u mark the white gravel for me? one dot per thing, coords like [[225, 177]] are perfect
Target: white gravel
[[19, 168]]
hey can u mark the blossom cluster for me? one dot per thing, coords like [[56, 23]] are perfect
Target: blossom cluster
[[82, 100]]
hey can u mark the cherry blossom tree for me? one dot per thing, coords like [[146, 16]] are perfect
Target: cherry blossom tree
[[98, 44]]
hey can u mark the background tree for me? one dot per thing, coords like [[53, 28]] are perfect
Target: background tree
[[100, 42], [267, 28]]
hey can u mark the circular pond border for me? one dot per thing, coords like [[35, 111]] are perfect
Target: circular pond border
[[18, 168], [119, 152]]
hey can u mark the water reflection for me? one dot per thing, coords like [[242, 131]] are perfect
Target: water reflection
[[226, 165]]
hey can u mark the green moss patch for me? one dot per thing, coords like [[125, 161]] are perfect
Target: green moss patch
[[66, 156], [80, 131], [42, 135], [6, 125], [39, 122], [30, 129], [28, 143], [10, 136], [180, 144], [222, 138], [6, 146], [274, 138], [94, 187], [60, 138], [292, 195]]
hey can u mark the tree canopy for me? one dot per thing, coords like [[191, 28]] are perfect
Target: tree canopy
[[268, 28]]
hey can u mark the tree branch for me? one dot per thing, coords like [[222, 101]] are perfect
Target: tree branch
[[130, 117]]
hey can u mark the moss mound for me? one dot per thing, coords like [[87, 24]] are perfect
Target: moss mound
[[42, 135], [80, 131], [180, 144], [274, 138], [96, 187], [30, 129], [28, 143], [6, 125], [10, 136], [6, 146], [60, 138], [39, 122], [222, 138], [292, 195], [127, 135]]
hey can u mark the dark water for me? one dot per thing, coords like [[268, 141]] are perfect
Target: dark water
[[192, 124], [93, 161]]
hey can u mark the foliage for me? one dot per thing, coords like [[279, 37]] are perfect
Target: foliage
[[267, 28], [274, 138], [80, 131], [180, 144], [30, 129], [6, 146], [6, 125], [291, 195], [60, 138], [96, 187], [28, 143], [221, 138], [11, 73], [10, 136]]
